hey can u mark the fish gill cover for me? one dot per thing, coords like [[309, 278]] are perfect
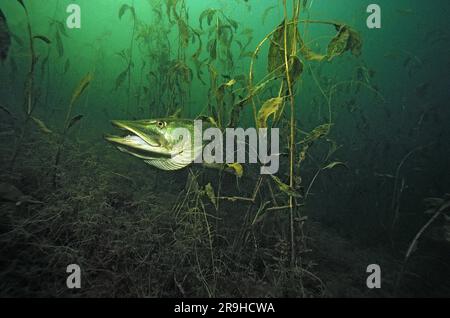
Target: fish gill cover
[[358, 92]]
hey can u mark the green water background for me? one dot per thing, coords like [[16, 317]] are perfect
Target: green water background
[[375, 136]]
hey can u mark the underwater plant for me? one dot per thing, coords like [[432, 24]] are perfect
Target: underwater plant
[[127, 56], [70, 121], [343, 195], [30, 101], [437, 208], [285, 64], [286, 56]]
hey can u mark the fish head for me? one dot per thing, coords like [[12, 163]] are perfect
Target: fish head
[[165, 143]]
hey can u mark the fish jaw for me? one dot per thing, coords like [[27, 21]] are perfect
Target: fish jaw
[[138, 128], [138, 142], [158, 142]]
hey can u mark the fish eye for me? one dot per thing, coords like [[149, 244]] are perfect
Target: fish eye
[[161, 124]]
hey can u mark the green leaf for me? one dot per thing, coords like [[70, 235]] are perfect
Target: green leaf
[[121, 78], [42, 38], [237, 107], [284, 187], [171, 7], [41, 125], [346, 39], [317, 133], [59, 44], [233, 23], [124, 9], [22, 4], [335, 164], [236, 168], [276, 58], [212, 48], [183, 29], [221, 89], [66, 66], [209, 14], [310, 55], [211, 195], [61, 27], [74, 120], [266, 13], [84, 83], [295, 68], [269, 108]]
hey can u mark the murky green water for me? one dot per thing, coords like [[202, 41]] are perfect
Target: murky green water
[[369, 125]]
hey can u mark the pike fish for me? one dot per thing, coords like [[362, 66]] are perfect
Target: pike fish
[[162, 143]]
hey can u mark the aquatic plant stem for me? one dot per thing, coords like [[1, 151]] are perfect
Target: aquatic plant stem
[[292, 135], [422, 230], [130, 62], [68, 122], [396, 195], [416, 238], [29, 86]]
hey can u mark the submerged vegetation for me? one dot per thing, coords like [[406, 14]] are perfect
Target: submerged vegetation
[[66, 197]]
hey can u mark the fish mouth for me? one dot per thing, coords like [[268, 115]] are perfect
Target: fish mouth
[[135, 141]]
